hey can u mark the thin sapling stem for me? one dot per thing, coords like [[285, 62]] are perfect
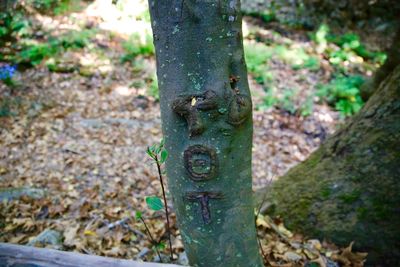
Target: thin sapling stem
[[165, 205], [153, 241]]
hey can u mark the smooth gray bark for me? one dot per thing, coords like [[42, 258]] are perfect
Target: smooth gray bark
[[207, 124]]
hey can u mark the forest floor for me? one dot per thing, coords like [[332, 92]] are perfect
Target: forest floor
[[75, 128]]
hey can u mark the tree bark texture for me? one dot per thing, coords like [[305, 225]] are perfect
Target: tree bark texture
[[349, 188], [207, 123]]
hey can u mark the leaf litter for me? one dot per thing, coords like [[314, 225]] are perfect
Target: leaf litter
[[281, 247]]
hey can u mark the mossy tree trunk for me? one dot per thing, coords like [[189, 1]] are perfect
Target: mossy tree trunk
[[349, 188], [207, 123]]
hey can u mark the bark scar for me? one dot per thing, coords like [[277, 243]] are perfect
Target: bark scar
[[240, 106]]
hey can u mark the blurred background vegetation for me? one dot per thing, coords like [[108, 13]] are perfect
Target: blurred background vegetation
[[339, 43]]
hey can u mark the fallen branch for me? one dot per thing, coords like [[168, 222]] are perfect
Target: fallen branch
[[13, 255]]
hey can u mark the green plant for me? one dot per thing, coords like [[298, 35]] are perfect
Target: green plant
[[266, 11], [349, 45], [144, 16], [137, 45], [153, 88], [257, 56], [270, 99], [156, 245], [6, 74], [319, 37], [352, 42], [311, 63], [159, 155], [296, 57], [13, 25], [34, 54], [305, 61], [286, 100], [307, 107], [56, 7], [42, 5], [344, 93], [66, 6], [266, 16], [76, 39]]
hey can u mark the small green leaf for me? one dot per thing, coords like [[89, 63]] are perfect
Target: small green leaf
[[161, 245], [138, 215], [157, 150], [164, 156], [149, 152], [154, 203], [153, 148], [162, 143]]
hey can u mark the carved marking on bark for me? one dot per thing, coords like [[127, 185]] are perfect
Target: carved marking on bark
[[200, 162], [189, 107], [203, 198], [233, 80]]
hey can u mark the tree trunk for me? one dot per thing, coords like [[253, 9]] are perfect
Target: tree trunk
[[393, 60], [207, 123], [349, 188]]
